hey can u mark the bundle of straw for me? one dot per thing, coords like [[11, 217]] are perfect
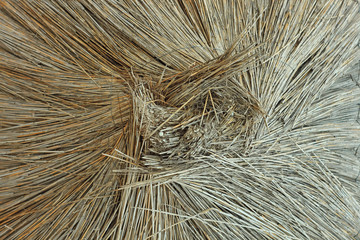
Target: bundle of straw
[[196, 119]]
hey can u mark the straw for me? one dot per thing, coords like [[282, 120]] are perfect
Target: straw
[[179, 119]]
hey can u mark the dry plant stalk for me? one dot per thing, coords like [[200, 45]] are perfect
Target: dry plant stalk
[[179, 119]]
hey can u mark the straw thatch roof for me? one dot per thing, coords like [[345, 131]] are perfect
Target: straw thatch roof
[[179, 119]]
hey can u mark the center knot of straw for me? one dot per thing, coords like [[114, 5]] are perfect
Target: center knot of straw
[[171, 136]]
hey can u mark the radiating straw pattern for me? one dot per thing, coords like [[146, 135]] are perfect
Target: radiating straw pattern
[[196, 119]]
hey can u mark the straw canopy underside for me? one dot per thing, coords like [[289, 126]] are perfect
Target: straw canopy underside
[[179, 119]]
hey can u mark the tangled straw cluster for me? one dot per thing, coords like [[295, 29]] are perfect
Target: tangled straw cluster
[[179, 119]]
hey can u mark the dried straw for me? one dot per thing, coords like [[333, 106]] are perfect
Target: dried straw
[[179, 119]]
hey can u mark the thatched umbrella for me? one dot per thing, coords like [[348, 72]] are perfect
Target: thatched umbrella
[[179, 119]]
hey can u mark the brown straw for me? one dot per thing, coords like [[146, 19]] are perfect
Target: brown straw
[[196, 119]]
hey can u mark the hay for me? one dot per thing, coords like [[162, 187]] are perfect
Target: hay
[[179, 119]]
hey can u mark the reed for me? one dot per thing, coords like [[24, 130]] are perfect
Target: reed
[[179, 119]]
